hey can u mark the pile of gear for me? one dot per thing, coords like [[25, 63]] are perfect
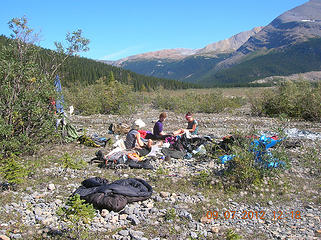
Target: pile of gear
[[113, 196], [179, 147]]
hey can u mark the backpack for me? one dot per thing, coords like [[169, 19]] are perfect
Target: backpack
[[92, 142], [118, 128]]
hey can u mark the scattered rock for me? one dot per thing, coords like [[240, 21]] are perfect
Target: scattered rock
[[104, 212], [16, 236], [114, 219], [134, 220], [136, 234], [164, 194], [51, 187], [123, 233], [215, 229], [193, 235], [205, 220], [123, 216]]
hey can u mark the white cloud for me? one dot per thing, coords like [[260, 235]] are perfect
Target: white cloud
[[122, 53]]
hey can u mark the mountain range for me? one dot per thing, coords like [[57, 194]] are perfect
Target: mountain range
[[290, 44]]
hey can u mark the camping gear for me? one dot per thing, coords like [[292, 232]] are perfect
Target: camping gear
[[200, 150], [134, 156], [93, 141], [260, 147], [143, 151], [120, 159], [118, 128], [226, 158], [68, 131], [60, 97], [113, 196], [173, 153], [155, 149]]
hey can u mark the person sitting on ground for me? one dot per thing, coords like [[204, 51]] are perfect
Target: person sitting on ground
[[133, 139], [158, 133], [192, 126]]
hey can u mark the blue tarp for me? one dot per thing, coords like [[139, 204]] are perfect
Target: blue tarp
[[225, 158], [261, 151], [60, 97]]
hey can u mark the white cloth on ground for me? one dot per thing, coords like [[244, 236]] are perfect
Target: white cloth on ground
[[154, 150]]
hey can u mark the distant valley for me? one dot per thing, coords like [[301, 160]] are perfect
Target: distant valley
[[290, 44]]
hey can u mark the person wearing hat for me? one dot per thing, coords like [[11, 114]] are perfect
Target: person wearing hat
[[133, 139]]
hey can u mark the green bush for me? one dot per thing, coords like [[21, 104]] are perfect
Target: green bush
[[170, 215], [196, 102], [26, 119], [77, 214], [68, 161], [13, 171], [299, 99], [104, 97], [203, 179], [232, 235], [243, 172]]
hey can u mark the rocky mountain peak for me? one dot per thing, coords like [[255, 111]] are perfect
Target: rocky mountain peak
[[296, 25], [229, 45]]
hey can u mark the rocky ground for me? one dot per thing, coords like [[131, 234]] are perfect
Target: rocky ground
[[182, 202]]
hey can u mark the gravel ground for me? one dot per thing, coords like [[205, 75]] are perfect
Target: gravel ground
[[178, 209]]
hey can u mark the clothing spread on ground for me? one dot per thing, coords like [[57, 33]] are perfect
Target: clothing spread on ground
[[184, 147], [122, 159], [113, 196], [143, 133]]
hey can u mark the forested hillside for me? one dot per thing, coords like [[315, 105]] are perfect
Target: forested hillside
[[299, 58], [189, 69], [83, 71]]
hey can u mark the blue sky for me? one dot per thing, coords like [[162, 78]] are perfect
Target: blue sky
[[120, 28]]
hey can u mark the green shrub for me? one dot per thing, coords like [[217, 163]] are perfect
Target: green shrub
[[104, 97], [26, 119], [196, 102], [68, 161], [77, 215], [13, 171], [232, 235], [162, 171], [203, 179], [170, 215], [243, 172], [312, 159], [299, 99]]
